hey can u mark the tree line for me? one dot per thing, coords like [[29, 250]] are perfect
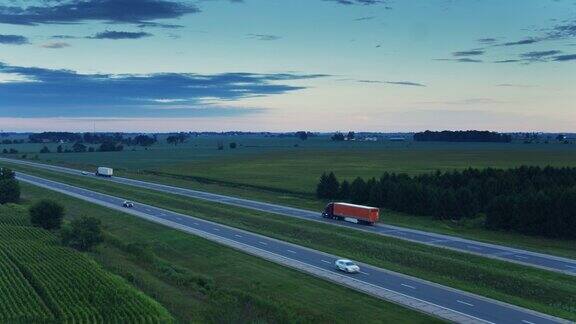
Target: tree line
[[528, 200], [462, 136]]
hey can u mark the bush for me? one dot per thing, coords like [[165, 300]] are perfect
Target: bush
[[45, 149], [9, 187], [47, 214], [83, 234]]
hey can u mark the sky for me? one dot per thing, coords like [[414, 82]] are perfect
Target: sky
[[285, 65]]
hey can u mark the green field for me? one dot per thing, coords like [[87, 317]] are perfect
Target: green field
[[42, 282], [275, 170], [532, 288], [202, 282]]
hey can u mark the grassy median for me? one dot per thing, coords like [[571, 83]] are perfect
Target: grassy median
[[540, 290]]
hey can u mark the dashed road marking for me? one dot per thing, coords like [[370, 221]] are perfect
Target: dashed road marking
[[474, 247], [237, 235], [263, 243], [365, 273], [520, 256], [465, 303], [290, 251], [527, 322], [408, 286], [326, 261]]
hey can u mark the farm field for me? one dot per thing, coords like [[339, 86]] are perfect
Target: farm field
[[42, 281], [201, 282], [274, 170], [532, 288]]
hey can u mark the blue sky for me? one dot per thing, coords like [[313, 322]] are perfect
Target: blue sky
[[281, 65]]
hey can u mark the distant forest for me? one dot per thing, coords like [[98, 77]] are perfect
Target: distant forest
[[528, 200], [462, 136]]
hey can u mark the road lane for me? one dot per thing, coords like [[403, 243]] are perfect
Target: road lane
[[534, 259], [441, 301]]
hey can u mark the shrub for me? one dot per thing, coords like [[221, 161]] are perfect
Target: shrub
[[47, 214]]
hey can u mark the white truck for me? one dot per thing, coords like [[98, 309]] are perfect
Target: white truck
[[104, 172]]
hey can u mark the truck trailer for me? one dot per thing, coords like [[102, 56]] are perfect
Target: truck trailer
[[104, 172], [343, 211]]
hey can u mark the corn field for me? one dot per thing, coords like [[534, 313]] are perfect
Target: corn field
[[41, 281]]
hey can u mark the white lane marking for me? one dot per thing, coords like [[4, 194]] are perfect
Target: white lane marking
[[326, 261], [465, 303], [520, 256], [179, 218], [365, 273], [411, 287], [216, 229], [473, 247], [291, 251], [195, 223], [263, 243], [527, 322], [437, 241], [237, 235]]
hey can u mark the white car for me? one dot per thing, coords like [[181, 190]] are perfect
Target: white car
[[128, 204], [84, 173], [347, 266]]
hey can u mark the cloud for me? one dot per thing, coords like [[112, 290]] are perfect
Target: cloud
[[55, 45], [13, 40], [508, 61], [39, 92], [264, 37], [513, 85], [111, 11], [358, 2], [468, 53], [522, 42], [402, 83], [562, 58], [461, 60], [365, 18], [487, 40], [538, 55], [115, 35]]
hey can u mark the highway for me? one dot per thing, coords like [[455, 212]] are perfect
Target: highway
[[529, 258], [437, 300]]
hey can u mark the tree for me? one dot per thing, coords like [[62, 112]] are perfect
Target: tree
[[83, 233], [13, 151], [47, 214], [5, 151], [344, 191], [233, 145], [59, 149], [79, 147], [359, 193], [172, 139], [45, 149], [220, 145], [9, 187], [351, 135], [338, 137], [144, 140], [91, 149], [328, 186], [302, 135]]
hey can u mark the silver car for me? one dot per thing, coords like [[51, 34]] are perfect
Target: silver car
[[127, 204], [347, 266]]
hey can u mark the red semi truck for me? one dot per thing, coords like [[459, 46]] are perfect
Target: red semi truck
[[340, 211]]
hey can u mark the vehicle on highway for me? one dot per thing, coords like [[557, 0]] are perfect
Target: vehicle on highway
[[347, 266], [127, 204], [104, 172], [84, 173], [344, 211]]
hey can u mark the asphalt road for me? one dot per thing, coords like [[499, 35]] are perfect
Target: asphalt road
[[534, 259], [412, 292]]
